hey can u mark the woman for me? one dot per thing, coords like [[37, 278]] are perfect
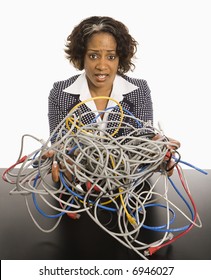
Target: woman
[[104, 49]]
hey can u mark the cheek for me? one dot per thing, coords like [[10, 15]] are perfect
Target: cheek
[[85, 64], [116, 64], [88, 66], [115, 67]]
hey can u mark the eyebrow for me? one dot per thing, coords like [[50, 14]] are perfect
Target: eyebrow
[[93, 50]]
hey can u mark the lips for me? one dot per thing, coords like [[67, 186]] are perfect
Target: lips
[[101, 77]]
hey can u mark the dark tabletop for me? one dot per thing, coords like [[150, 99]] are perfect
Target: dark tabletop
[[83, 239]]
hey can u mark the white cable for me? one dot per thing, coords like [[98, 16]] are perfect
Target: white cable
[[113, 167]]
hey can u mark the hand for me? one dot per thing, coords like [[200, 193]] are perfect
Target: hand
[[56, 167], [172, 146]]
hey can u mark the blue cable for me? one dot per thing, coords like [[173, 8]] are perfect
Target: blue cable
[[35, 165], [72, 150], [181, 196], [81, 197], [190, 165], [163, 228], [109, 108], [129, 113], [178, 192], [159, 228]]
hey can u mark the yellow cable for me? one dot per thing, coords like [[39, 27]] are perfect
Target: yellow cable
[[131, 220], [69, 119]]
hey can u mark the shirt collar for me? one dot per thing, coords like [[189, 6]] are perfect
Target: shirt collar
[[120, 87]]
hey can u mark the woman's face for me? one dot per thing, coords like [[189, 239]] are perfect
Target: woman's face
[[101, 61]]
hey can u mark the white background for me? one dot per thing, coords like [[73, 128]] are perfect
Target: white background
[[173, 56]]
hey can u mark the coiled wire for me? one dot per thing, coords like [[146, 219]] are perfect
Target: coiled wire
[[101, 172]]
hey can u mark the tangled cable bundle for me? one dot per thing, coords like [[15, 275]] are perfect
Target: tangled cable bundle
[[90, 168]]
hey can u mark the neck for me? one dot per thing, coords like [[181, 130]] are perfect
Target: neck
[[100, 92]]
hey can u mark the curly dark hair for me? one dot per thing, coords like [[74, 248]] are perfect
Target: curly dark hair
[[76, 43]]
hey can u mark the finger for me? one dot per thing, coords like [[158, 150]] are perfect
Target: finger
[[173, 144], [157, 136], [67, 173], [55, 171], [170, 165], [48, 154]]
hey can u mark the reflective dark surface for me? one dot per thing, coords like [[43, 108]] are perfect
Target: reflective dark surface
[[83, 239]]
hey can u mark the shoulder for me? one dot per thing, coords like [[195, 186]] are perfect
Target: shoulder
[[135, 81], [142, 90], [60, 85], [140, 83], [57, 93]]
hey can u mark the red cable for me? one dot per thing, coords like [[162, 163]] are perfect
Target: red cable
[[152, 250], [21, 160]]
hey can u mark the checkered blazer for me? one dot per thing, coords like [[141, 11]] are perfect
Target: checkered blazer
[[138, 103]]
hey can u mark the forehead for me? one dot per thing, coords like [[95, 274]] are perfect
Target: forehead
[[102, 40]]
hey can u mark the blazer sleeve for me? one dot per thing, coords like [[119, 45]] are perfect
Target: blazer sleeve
[[56, 112], [147, 105]]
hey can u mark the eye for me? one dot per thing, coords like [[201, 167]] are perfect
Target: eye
[[111, 57], [93, 56]]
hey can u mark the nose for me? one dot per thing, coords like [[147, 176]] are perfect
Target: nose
[[101, 64]]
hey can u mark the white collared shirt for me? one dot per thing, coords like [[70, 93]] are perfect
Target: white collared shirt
[[120, 87]]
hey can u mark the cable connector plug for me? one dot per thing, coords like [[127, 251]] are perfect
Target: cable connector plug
[[89, 186], [42, 141], [132, 221], [74, 216], [170, 236], [150, 251]]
